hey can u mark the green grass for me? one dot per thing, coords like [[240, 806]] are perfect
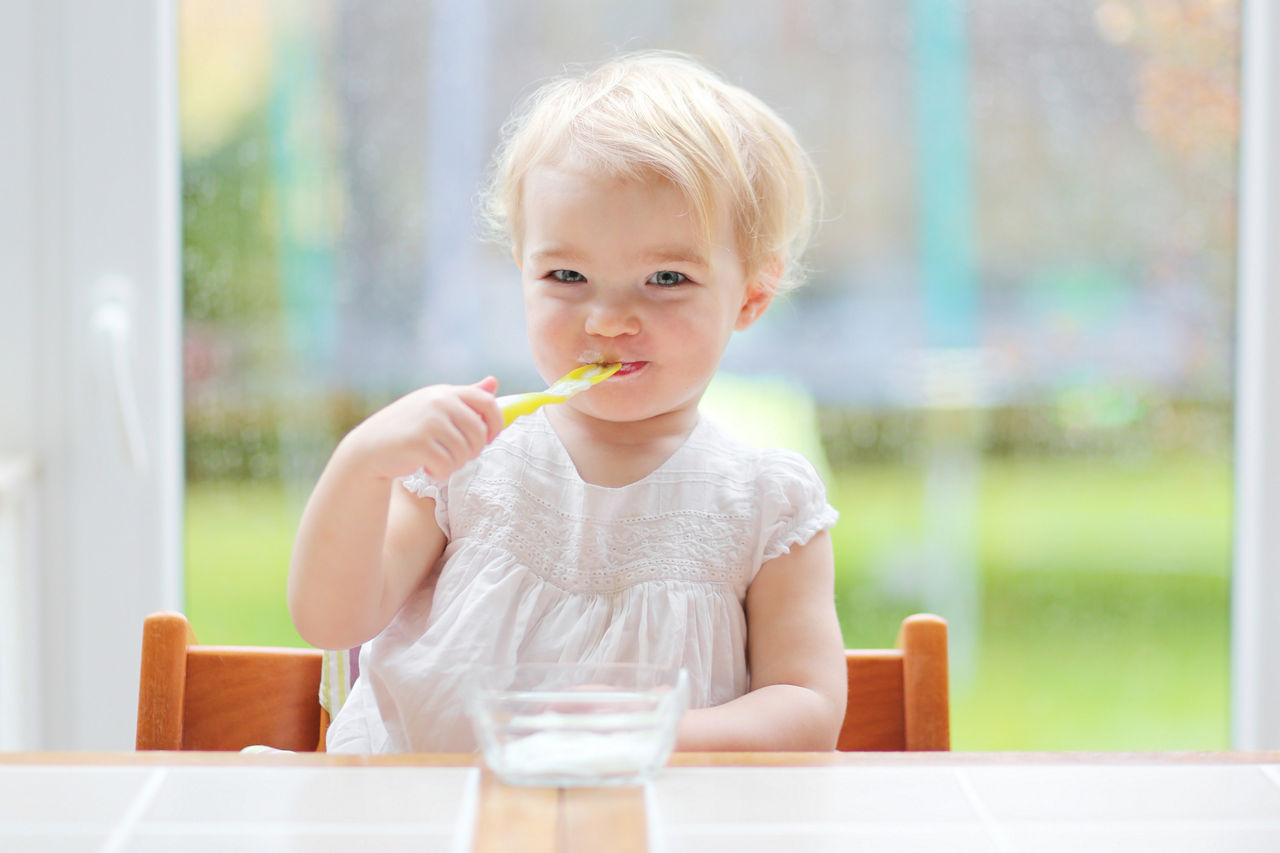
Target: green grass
[[237, 542], [1095, 662], [1102, 597], [1101, 592]]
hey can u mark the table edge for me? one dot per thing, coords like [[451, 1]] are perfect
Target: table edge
[[692, 759]]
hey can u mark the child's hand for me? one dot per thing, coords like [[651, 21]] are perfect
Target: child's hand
[[439, 428], [364, 546]]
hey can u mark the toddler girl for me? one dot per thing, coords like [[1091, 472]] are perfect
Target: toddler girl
[[653, 210]]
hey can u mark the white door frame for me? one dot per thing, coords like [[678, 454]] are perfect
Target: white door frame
[[90, 242], [1255, 611]]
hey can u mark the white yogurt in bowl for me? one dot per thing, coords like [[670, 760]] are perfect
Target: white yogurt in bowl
[[561, 725]]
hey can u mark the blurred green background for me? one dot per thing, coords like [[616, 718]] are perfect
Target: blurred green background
[[1103, 598]]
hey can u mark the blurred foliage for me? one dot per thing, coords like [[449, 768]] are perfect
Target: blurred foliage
[[241, 437], [230, 270], [1094, 422]]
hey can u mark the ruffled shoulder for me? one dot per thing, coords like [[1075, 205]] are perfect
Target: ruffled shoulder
[[788, 496], [423, 485], [793, 498], [420, 484]]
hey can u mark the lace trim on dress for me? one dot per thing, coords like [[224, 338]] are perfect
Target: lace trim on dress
[[732, 508], [584, 554]]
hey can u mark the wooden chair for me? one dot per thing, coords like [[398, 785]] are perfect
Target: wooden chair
[[224, 697], [899, 698], [228, 697]]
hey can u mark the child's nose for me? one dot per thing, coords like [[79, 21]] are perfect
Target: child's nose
[[612, 317]]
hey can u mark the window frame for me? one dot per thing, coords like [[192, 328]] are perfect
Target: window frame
[[1255, 630], [91, 246]]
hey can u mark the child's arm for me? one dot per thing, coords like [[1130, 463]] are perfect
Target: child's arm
[[364, 543], [796, 656]]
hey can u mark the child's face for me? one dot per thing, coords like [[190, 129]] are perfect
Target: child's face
[[618, 271]]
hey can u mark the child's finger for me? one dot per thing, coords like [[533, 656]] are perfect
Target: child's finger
[[466, 430], [487, 407], [454, 443]]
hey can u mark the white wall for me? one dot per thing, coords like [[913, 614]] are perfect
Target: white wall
[[88, 189]]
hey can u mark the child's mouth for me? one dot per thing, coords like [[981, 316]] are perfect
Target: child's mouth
[[630, 367]]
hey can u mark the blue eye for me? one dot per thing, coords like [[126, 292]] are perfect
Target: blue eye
[[568, 276], [667, 278]]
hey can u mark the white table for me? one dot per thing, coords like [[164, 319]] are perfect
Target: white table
[[706, 803]]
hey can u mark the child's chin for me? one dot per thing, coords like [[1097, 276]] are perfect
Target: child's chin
[[619, 412]]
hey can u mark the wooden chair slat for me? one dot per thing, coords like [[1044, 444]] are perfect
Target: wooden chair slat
[[236, 697]]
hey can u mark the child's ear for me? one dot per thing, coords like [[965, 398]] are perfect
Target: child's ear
[[760, 290], [515, 255]]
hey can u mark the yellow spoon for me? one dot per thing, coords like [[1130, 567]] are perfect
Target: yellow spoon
[[576, 380]]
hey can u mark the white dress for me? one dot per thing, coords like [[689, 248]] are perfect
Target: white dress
[[542, 566]]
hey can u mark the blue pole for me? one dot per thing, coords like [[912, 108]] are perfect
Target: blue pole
[[300, 165], [944, 190], [944, 198]]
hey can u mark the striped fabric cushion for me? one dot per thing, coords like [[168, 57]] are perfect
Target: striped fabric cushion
[[340, 668]]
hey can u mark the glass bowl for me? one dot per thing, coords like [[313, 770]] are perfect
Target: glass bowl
[[573, 725]]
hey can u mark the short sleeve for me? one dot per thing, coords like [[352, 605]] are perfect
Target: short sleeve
[[794, 504], [422, 485]]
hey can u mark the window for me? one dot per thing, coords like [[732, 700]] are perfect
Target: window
[[1016, 351]]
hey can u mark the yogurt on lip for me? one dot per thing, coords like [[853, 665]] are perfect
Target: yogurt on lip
[[597, 357]]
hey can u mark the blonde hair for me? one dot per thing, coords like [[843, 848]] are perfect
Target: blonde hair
[[662, 114]]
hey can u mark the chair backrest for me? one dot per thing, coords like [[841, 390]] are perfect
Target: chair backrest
[[899, 699], [224, 697], [229, 697]]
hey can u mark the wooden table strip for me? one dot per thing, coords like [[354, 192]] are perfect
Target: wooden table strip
[[594, 819], [511, 818]]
